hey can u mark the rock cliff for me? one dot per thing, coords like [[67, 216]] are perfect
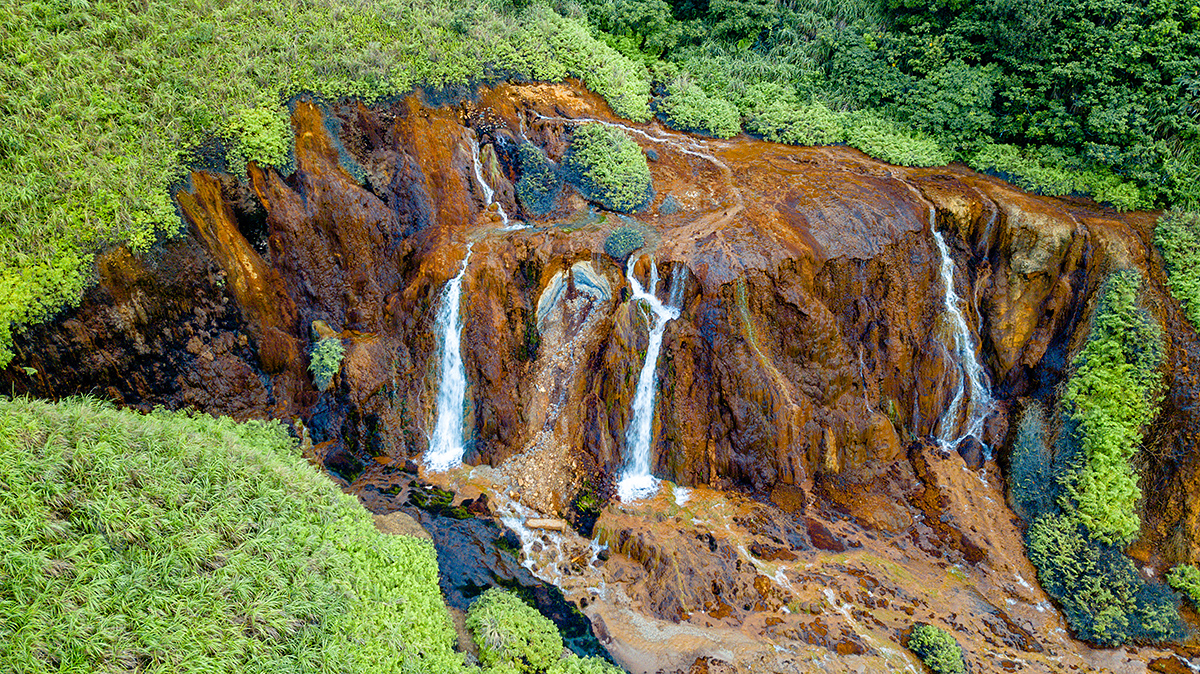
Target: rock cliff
[[800, 388]]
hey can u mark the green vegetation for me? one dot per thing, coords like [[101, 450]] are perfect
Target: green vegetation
[[103, 103], [687, 107], [1186, 579], [891, 142], [1112, 394], [540, 183], [1081, 495], [326, 361], [1088, 96], [169, 542], [1102, 596], [1031, 467], [608, 167], [623, 241], [592, 665], [1177, 237], [1050, 171], [511, 633], [937, 649]]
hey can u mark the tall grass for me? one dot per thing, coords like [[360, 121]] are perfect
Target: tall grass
[[177, 543]]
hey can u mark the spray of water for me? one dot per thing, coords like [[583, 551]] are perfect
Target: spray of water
[[636, 480]]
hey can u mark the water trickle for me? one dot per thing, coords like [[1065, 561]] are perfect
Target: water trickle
[[972, 389], [489, 195], [446, 444], [636, 480]]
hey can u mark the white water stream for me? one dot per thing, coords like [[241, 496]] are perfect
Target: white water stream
[[446, 444], [489, 195], [972, 389], [636, 480]]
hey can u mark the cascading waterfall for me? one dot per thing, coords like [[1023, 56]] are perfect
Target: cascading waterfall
[[972, 383], [489, 195], [636, 480], [446, 444]]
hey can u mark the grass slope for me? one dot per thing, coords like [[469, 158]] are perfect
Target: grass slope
[[177, 543]]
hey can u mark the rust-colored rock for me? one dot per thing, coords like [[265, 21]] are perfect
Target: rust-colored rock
[[808, 366]]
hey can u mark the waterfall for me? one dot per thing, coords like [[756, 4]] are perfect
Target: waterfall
[[972, 381], [636, 480], [446, 444], [489, 195]]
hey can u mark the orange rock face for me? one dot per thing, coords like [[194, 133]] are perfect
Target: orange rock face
[[810, 352]]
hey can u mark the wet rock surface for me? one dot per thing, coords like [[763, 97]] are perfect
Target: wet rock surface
[[798, 388]]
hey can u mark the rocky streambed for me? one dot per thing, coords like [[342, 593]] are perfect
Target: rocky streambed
[[831, 436]]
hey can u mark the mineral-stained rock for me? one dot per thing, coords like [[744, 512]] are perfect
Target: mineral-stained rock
[[810, 365]]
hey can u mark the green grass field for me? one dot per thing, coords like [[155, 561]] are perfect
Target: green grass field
[[177, 543]]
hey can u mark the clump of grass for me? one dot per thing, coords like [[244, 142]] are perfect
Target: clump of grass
[[326, 361], [609, 168], [937, 649], [511, 633], [1177, 236], [171, 542]]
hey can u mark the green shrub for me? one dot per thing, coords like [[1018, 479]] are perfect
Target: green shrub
[[608, 168], [1177, 236], [623, 241], [1102, 596], [508, 631], [576, 665], [326, 361], [937, 649], [1112, 394], [1186, 579], [785, 120], [1053, 172], [688, 108], [169, 542], [539, 183], [261, 135], [884, 139]]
